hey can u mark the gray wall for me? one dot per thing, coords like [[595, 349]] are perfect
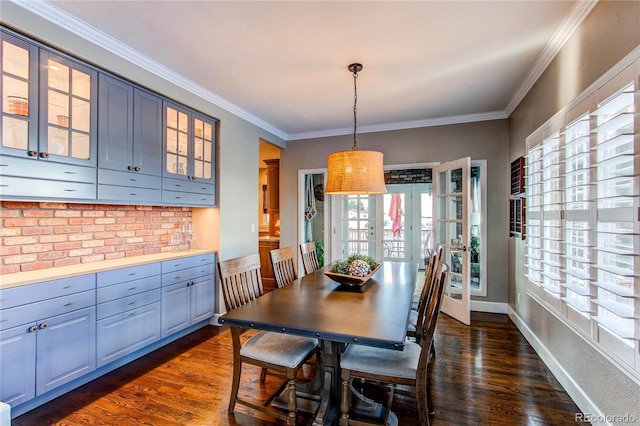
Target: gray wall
[[481, 141], [610, 32]]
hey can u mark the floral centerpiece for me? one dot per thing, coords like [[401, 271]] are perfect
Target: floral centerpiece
[[356, 269]]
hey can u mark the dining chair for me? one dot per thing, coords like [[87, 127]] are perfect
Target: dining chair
[[283, 262], [242, 283], [309, 257], [417, 310], [408, 367]]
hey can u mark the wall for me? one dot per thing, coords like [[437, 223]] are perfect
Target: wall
[[611, 31], [482, 140]]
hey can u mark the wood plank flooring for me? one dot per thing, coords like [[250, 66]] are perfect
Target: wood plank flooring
[[485, 374]]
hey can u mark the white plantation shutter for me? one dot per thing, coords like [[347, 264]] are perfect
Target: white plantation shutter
[[583, 217]]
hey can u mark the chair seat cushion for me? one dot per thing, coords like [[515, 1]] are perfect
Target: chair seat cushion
[[385, 362], [279, 349]]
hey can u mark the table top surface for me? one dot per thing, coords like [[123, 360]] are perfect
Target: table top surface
[[375, 314]]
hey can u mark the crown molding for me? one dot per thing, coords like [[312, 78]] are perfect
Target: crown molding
[[57, 16], [560, 37], [402, 125]]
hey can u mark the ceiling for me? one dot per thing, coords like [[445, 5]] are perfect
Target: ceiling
[[283, 65]]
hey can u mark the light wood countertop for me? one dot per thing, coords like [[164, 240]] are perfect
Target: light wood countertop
[[31, 277]]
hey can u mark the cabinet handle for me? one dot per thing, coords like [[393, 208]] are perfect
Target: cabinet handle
[[136, 168], [66, 287], [132, 288], [44, 155], [68, 304], [69, 190], [32, 329], [32, 153], [130, 168], [42, 326], [132, 303], [132, 273]]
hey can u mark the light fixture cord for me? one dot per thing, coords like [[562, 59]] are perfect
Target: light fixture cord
[[355, 102]]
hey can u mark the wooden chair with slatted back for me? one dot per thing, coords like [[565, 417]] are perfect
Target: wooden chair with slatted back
[[309, 257], [242, 283], [409, 367], [433, 257], [283, 262]]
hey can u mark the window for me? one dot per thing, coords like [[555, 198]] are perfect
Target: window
[[583, 213]]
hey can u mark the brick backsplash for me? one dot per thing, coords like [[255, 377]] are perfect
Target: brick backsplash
[[44, 235]]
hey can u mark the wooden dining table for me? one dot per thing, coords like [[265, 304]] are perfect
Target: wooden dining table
[[374, 314]]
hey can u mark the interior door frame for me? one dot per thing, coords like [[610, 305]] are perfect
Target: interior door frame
[[328, 208]]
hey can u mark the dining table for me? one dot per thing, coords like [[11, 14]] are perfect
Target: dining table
[[375, 314]]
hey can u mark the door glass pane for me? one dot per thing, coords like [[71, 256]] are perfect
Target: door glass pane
[[81, 115], [207, 171], [172, 163], [394, 226], [358, 227], [81, 86], [182, 165], [207, 151], [198, 169], [58, 107], [58, 76], [15, 94], [58, 142], [198, 149], [182, 144], [15, 133], [456, 181], [15, 60], [172, 118], [172, 141], [183, 122], [80, 146]]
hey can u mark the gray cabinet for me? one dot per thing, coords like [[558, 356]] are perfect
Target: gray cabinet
[[47, 336], [189, 161], [188, 292], [129, 143], [128, 311]]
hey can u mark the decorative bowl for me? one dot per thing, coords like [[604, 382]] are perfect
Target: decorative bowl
[[351, 280]]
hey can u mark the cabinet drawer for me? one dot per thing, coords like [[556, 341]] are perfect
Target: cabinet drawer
[[127, 303], [186, 274], [19, 187], [187, 262], [117, 291], [131, 179], [45, 169], [118, 276], [22, 295], [129, 194], [194, 186], [122, 334], [187, 198], [33, 312]]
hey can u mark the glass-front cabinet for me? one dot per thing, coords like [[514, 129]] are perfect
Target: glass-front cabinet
[[190, 143], [48, 105], [19, 62]]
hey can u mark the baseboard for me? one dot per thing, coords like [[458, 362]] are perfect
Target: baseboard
[[582, 400], [492, 307]]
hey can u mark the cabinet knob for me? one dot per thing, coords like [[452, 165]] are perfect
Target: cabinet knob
[[42, 326], [32, 153], [32, 329], [44, 155], [130, 168], [136, 168]]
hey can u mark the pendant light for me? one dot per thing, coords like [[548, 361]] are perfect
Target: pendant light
[[355, 172]]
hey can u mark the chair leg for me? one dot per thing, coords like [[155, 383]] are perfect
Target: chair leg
[[235, 385], [293, 401], [424, 403], [263, 374], [432, 350], [345, 402]]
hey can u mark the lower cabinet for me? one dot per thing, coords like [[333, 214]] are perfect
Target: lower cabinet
[[48, 353], [54, 332], [188, 290]]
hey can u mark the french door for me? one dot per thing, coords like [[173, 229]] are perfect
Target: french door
[[451, 231], [355, 229]]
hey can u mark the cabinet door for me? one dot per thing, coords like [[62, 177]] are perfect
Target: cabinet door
[[202, 298], [127, 332], [115, 133], [175, 308], [68, 110], [19, 88], [17, 364], [204, 142], [66, 348], [178, 134], [147, 153]]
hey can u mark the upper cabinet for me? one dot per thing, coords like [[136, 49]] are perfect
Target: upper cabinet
[[189, 172]]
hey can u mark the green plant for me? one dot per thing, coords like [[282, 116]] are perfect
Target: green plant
[[474, 249], [320, 253], [342, 266]]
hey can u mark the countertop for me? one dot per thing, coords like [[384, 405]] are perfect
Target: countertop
[[31, 277]]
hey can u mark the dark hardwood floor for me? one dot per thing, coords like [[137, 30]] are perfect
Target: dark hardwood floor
[[485, 374]]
